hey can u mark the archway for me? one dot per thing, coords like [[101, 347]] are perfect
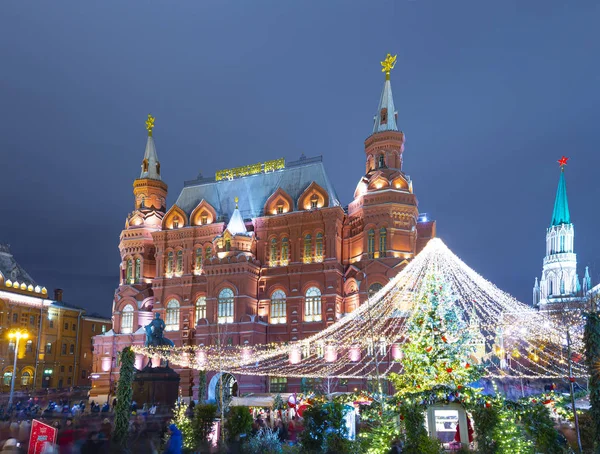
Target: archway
[[230, 388]]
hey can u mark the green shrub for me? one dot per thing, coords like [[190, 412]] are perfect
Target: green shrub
[[485, 420], [238, 422], [540, 428], [202, 424], [325, 429], [264, 442]]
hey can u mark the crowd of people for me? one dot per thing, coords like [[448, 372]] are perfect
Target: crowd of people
[[286, 428]]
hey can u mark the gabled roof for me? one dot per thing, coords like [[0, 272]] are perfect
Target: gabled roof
[[561, 214], [10, 269], [386, 102], [254, 190]]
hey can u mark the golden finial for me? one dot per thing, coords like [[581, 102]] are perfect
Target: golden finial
[[388, 64], [236, 200], [150, 124]]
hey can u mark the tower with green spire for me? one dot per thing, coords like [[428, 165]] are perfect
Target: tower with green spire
[[559, 282]]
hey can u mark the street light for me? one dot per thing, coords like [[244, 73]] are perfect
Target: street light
[[17, 335]]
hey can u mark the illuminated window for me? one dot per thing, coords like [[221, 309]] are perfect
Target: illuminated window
[[179, 261], [227, 245], [25, 378], [307, 249], [172, 318], [170, 262], [319, 247], [285, 251], [278, 384], [383, 116], [138, 269], [381, 161], [278, 311], [7, 378], [312, 305], [208, 254], [273, 254], [382, 242], [175, 222], [200, 308], [129, 274], [225, 306], [314, 201], [199, 259], [49, 347], [127, 319], [103, 329], [371, 244], [29, 346], [204, 219], [280, 209]]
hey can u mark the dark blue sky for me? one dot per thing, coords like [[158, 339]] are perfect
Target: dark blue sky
[[489, 95]]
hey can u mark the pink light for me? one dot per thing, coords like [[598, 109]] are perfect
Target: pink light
[[354, 354], [106, 364], [295, 355], [246, 354], [397, 353], [330, 353], [201, 358]]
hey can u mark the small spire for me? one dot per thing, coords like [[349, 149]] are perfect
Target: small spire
[[236, 200], [561, 214], [587, 281], [150, 164], [386, 118], [236, 224]]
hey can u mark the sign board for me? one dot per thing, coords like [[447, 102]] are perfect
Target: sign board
[[40, 435]]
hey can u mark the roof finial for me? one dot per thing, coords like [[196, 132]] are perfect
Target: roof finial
[[388, 64], [150, 124], [562, 162], [236, 200]]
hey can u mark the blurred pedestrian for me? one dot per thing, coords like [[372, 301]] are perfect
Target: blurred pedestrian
[[175, 443]]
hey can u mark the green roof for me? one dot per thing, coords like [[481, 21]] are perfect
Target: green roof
[[561, 215]]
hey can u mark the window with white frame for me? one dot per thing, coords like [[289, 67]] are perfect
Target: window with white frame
[[172, 318], [200, 308], [278, 311], [225, 306], [127, 319], [312, 305]]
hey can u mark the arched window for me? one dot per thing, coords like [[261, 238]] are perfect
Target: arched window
[[225, 306], [285, 251], [128, 274], [314, 201], [25, 378], [227, 245], [180, 261], [127, 319], [29, 346], [319, 248], [381, 161], [172, 318], [7, 378], [208, 254], [307, 249], [198, 259], [138, 270], [550, 287], [175, 222], [273, 252], [373, 289], [170, 263], [382, 241], [312, 305], [562, 286], [200, 308], [371, 244], [278, 311], [562, 243]]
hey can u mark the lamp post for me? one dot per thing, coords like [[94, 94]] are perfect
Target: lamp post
[[17, 335]]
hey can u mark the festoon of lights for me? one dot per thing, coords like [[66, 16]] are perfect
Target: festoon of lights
[[516, 339]]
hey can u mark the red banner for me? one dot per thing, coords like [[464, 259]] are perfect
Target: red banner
[[40, 435]]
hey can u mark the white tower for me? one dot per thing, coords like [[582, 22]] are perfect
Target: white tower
[[559, 281]]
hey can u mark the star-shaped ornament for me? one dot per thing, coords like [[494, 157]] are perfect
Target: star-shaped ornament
[[563, 161]]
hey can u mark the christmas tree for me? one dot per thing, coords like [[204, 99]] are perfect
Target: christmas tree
[[438, 350]]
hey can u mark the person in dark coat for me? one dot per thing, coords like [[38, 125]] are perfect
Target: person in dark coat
[[175, 443]]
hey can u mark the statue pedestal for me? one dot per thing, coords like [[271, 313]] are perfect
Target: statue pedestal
[[156, 385]]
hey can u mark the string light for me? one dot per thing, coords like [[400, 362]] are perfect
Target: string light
[[515, 339]]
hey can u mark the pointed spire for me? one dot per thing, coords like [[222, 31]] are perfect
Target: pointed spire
[[561, 214], [386, 118], [587, 281], [150, 164], [236, 225]]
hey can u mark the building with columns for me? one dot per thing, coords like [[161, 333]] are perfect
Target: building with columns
[[260, 253], [560, 282]]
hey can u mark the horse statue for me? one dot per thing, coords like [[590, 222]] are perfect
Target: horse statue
[[155, 336]]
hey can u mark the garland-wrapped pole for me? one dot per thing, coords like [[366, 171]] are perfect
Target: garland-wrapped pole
[[571, 386], [124, 397]]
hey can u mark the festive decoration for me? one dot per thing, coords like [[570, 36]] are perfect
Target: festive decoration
[[511, 338], [592, 348], [563, 161], [124, 397]]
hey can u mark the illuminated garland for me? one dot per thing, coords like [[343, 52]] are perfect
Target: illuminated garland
[[515, 339]]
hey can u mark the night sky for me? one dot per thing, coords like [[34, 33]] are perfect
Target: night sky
[[489, 94]]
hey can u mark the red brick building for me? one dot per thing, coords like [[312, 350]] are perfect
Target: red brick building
[[265, 252]]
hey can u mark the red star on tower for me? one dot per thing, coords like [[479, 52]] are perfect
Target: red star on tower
[[563, 161]]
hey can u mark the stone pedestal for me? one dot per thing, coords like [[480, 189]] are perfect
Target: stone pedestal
[[156, 385]]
